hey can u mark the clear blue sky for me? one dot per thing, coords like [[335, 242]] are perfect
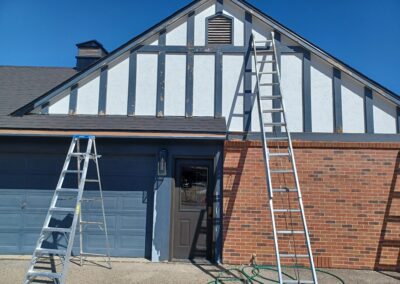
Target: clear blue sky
[[363, 33]]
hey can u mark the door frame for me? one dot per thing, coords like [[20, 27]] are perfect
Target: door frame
[[210, 197]]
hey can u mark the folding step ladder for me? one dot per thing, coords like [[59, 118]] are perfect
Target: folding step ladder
[[278, 123], [36, 272]]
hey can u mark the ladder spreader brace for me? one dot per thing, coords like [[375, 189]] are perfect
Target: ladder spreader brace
[[269, 48], [41, 252]]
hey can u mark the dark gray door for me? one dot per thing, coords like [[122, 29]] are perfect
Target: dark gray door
[[192, 209]]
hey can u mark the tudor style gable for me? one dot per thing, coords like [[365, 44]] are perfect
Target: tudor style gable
[[198, 63]]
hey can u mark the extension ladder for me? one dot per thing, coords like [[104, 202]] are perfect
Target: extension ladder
[[280, 134], [57, 210]]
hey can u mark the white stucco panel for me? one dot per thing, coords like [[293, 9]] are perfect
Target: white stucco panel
[[117, 88], [203, 85], [261, 31], [237, 14], [200, 22], [60, 107], [291, 73], [175, 85], [321, 96], [352, 105], [88, 97], [177, 33], [146, 84], [232, 91], [384, 115]]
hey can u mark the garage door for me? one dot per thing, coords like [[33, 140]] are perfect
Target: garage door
[[128, 182]]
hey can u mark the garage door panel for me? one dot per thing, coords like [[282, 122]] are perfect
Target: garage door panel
[[27, 183]]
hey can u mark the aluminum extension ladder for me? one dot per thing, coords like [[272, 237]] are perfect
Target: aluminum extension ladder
[[43, 252], [281, 134]]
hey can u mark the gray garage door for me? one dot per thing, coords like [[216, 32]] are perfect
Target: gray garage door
[[128, 182]]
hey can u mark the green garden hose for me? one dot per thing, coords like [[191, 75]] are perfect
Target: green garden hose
[[251, 274]]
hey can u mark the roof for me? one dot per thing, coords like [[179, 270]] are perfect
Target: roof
[[20, 85], [388, 94]]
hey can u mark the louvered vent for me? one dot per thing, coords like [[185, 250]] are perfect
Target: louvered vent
[[219, 30]]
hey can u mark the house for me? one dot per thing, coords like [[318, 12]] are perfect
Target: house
[[183, 92]]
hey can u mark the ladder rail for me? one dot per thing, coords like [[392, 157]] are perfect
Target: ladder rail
[[266, 162], [293, 162], [77, 210]]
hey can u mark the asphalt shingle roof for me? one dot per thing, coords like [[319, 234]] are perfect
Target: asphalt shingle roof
[[21, 85]]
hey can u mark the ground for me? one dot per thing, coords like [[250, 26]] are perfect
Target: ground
[[12, 271]]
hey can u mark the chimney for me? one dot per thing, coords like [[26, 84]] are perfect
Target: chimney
[[88, 53]]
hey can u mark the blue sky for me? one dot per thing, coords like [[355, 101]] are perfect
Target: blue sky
[[363, 33]]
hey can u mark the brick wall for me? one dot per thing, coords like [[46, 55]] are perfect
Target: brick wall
[[350, 193]]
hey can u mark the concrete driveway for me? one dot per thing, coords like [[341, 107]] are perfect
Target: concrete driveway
[[12, 270]]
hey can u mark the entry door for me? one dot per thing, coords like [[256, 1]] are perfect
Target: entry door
[[192, 209]]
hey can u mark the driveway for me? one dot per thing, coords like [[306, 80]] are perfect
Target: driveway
[[12, 270]]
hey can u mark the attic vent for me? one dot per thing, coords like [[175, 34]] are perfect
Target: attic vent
[[219, 30]]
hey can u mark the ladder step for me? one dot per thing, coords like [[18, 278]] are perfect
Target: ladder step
[[287, 255], [67, 189], [274, 124], [51, 275], [260, 49], [91, 180], [82, 154], [72, 171], [289, 232], [272, 110], [62, 209], [284, 190], [269, 84], [289, 281], [279, 154], [276, 138], [281, 171], [42, 251], [266, 61], [270, 97], [263, 41], [286, 210], [57, 230], [265, 73]]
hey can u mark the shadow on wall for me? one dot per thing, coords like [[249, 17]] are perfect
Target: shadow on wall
[[388, 254], [232, 178]]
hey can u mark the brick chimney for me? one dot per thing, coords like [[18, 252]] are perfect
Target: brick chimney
[[88, 53]]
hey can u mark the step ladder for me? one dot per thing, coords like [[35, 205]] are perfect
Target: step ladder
[[73, 195], [266, 77]]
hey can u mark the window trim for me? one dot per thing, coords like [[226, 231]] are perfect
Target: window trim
[[232, 29]]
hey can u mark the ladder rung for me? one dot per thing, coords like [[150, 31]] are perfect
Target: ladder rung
[[57, 230], [277, 138], [272, 110], [67, 189], [289, 281], [281, 171], [270, 97], [263, 41], [266, 61], [393, 219], [284, 190], [52, 275], [72, 171], [50, 251], [286, 255], [265, 73], [62, 209], [269, 84], [93, 254], [91, 180], [279, 154], [286, 210], [260, 49], [289, 232], [274, 124]]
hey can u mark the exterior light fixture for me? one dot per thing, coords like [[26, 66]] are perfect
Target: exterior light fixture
[[162, 163]]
